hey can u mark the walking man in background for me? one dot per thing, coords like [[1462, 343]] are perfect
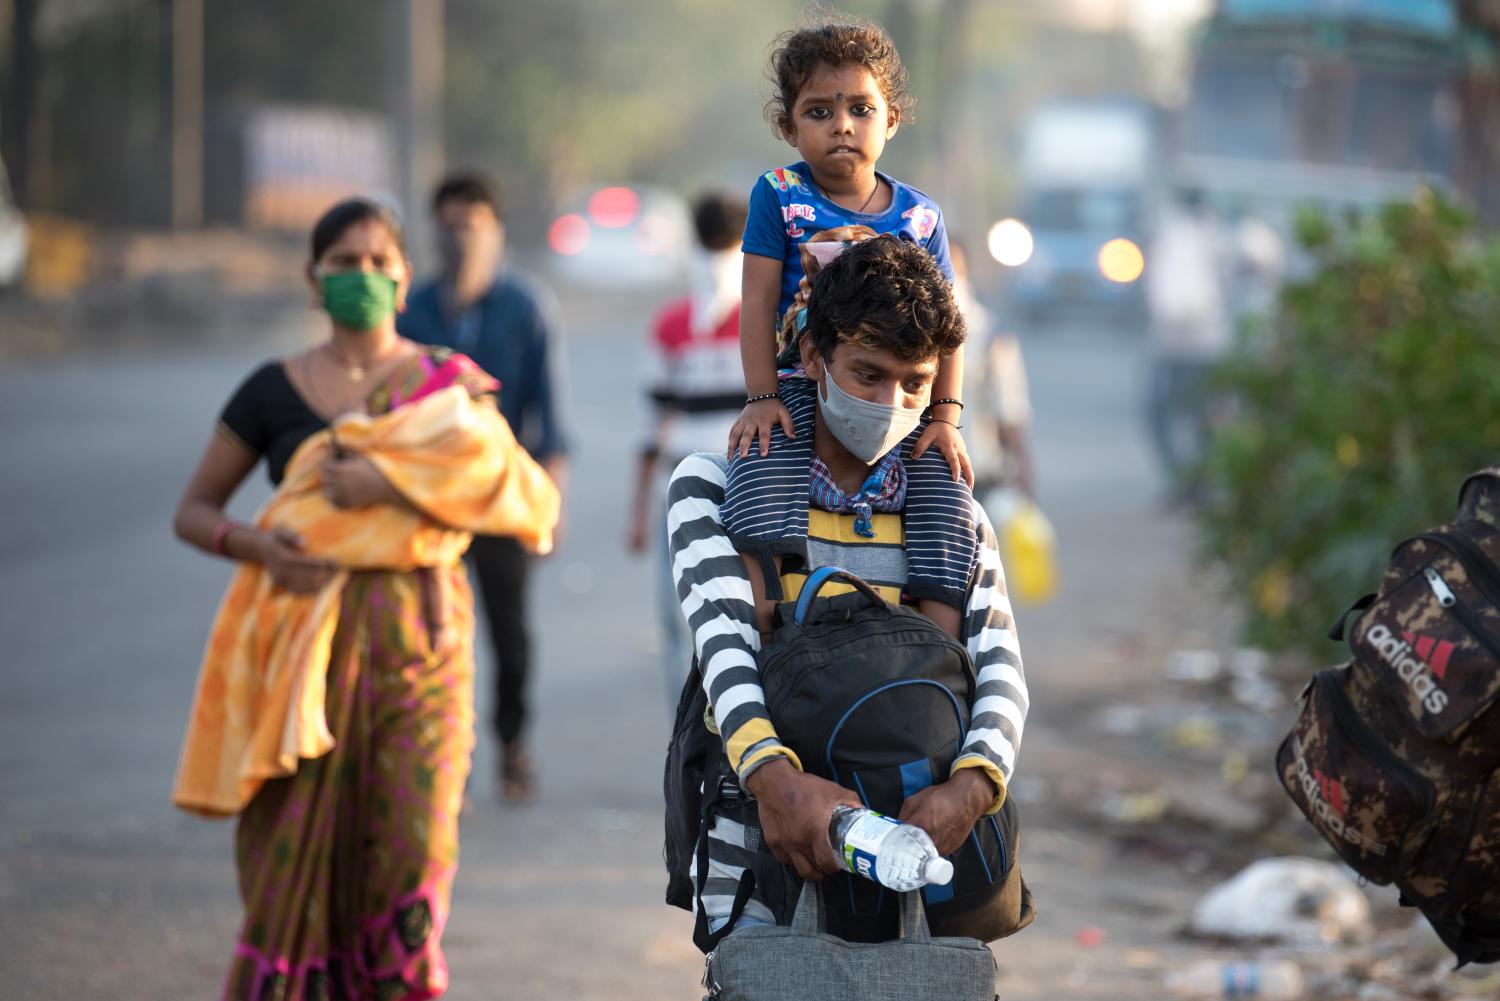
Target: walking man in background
[[1190, 333], [510, 327]]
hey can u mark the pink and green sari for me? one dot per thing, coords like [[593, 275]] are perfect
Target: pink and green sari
[[346, 866]]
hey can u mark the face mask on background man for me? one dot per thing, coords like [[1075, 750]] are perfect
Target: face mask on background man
[[473, 247]]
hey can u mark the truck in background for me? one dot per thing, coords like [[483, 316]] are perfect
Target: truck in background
[[1336, 104]]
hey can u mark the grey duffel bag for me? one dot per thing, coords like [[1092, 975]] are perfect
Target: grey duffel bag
[[802, 962]]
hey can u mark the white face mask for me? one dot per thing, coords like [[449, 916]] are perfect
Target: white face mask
[[868, 430]]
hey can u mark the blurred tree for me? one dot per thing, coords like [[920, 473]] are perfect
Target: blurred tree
[[17, 118], [1361, 406], [560, 95], [329, 52]]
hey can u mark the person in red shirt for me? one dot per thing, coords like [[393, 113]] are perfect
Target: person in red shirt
[[695, 383]]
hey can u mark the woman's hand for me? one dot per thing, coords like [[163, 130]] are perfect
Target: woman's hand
[[289, 567], [755, 422], [353, 481], [944, 437]]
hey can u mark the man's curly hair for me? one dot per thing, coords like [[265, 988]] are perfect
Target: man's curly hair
[[833, 40], [885, 294]]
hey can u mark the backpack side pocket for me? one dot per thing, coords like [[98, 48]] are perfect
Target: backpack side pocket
[[1365, 800]]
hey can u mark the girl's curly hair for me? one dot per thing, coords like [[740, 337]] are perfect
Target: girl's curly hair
[[885, 294], [834, 40]]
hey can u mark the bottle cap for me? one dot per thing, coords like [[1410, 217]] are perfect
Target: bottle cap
[[939, 872]]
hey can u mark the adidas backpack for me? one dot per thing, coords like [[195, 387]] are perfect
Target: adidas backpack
[[1394, 757]]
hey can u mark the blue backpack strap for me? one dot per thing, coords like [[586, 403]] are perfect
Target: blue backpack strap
[[812, 586], [821, 576]]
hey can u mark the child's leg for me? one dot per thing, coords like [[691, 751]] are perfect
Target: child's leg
[[940, 544], [948, 618]]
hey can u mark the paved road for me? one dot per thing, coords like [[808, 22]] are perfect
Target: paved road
[[105, 891]]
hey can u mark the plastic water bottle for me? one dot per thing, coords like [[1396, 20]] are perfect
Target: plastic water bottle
[[895, 855], [1273, 980]]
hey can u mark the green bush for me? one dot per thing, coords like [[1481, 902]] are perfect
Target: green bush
[[1358, 409]]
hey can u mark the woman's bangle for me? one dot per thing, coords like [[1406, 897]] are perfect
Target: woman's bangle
[[221, 534], [944, 420], [938, 403], [762, 396]]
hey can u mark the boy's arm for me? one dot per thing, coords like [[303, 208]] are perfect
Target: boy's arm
[[1001, 700], [719, 605]]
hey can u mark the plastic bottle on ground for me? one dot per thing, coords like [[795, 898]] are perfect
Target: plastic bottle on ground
[[1212, 980], [895, 855]]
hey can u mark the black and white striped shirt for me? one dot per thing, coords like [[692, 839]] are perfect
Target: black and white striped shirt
[[717, 601]]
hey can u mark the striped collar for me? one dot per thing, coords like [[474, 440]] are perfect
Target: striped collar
[[883, 490]]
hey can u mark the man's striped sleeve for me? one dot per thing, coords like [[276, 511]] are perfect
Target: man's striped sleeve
[[717, 601], [1000, 701]]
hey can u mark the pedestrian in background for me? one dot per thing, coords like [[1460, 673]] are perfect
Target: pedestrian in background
[[1190, 331], [510, 326], [334, 709], [695, 383], [998, 427]]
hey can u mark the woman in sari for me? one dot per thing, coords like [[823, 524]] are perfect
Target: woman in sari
[[334, 711]]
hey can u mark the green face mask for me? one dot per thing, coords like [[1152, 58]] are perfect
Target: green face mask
[[359, 300]]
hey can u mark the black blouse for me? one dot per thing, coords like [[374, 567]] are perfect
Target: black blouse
[[270, 418]]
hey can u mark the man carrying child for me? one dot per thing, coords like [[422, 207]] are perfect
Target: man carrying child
[[880, 319]]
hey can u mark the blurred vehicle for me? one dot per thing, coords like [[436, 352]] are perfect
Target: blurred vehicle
[[1331, 103], [621, 236], [1083, 210], [14, 236]]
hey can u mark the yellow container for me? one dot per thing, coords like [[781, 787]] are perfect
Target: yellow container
[[1028, 548]]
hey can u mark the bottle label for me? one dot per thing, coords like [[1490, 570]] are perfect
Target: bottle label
[[862, 843]]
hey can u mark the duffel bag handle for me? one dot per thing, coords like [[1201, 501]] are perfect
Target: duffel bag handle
[[1340, 625], [822, 576], [811, 916]]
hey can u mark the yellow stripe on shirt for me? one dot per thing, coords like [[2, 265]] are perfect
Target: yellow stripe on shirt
[[839, 528]]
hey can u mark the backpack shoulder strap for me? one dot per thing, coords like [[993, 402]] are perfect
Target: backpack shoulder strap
[[1479, 497]]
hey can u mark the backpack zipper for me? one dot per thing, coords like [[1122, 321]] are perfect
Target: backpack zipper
[[1474, 562], [1439, 587], [1359, 735], [1448, 600]]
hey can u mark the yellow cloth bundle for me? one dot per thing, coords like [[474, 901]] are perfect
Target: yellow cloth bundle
[[259, 705]]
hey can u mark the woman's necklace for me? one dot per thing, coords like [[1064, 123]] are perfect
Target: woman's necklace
[[357, 372]]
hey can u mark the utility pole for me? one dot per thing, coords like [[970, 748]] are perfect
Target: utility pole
[[187, 114], [18, 124], [417, 110]]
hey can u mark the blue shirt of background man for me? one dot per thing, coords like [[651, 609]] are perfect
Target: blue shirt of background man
[[512, 333], [786, 208]]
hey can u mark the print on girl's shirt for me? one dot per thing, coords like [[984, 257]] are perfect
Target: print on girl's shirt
[[786, 209], [785, 179], [923, 219], [796, 210]]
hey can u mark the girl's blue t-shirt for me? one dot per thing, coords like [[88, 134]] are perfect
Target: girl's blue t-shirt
[[786, 208]]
